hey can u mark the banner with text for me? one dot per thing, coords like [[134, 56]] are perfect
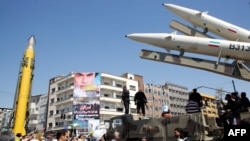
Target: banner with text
[[86, 104]]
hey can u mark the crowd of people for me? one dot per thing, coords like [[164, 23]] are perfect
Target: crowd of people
[[232, 107], [61, 135]]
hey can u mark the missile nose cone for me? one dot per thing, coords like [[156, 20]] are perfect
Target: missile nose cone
[[173, 8], [31, 41], [127, 36], [143, 37], [181, 11], [131, 36], [169, 6]]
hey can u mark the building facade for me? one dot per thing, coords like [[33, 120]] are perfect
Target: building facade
[[5, 114], [178, 98], [172, 95], [210, 104], [42, 110], [37, 112], [60, 113]]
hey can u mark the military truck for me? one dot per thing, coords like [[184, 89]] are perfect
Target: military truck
[[133, 127]]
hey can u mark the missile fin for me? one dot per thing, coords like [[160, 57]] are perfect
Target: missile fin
[[168, 37], [175, 32], [200, 13]]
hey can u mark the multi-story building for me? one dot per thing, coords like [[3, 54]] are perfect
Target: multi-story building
[[178, 98], [5, 114], [210, 105], [156, 98], [172, 95], [60, 98], [33, 112], [37, 112], [42, 110]]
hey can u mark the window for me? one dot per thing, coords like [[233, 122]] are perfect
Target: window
[[131, 87], [118, 96], [106, 95], [106, 83], [53, 90], [52, 100], [119, 109], [118, 85], [69, 117], [51, 113], [50, 125]]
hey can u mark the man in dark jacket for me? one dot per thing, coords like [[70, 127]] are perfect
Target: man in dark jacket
[[244, 103], [140, 102], [125, 99], [197, 97], [228, 116]]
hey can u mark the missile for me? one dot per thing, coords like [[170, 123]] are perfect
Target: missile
[[23, 90], [199, 45], [210, 23]]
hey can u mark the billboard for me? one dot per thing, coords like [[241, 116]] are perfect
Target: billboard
[[86, 104], [86, 108], [87, 85]]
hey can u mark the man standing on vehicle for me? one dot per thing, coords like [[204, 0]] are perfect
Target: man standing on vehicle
[[140, 102], [125, 99]]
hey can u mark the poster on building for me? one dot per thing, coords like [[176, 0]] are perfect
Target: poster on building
[[86, 108], [87, 84], [86, 126], [86, 104]]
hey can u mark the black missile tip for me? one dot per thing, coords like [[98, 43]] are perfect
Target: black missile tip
[[125, 35]]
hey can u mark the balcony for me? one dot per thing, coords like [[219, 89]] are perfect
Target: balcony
[[65, 101], [109, 87], [65, 89], [34, 112], [66, 114], [108, 99], [32, 122]]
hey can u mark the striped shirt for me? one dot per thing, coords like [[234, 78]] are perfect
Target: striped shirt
[[192, 107]]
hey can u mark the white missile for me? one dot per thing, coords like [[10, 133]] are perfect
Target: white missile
[[210, 23], [206, 46]]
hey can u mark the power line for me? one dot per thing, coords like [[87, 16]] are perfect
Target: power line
[[6, 92]]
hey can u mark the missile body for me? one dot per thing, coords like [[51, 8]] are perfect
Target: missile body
[[210, 23], [199, 45], [23, 91]]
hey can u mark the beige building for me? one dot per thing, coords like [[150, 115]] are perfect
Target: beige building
[[210, 104]]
